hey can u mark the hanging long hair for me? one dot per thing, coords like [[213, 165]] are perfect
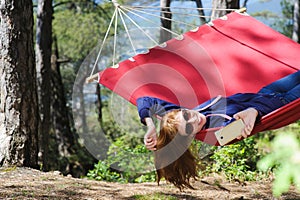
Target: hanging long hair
[[174, 159]]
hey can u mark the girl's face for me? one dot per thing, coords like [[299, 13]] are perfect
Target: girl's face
[[190, 122]]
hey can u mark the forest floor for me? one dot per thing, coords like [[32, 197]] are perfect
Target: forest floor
[[26, 183]]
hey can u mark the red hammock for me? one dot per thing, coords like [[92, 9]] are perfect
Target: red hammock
[[235, 54]]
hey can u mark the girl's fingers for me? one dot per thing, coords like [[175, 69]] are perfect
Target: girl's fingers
[[151, 146], [247, 131]]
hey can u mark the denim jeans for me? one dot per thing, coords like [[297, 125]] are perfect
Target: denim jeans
[[287, 88]]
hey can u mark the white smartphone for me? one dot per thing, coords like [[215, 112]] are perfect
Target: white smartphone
[[230, 132]]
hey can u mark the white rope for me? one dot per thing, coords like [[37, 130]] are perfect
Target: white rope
[[130, 9], [126, 29], [104, 40], [191, 8], [157, 16], [139, 27], [172, 32], [172, 12]]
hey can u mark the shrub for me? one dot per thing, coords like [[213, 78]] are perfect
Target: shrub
[[236, 161], [125, 164], [285, 161]]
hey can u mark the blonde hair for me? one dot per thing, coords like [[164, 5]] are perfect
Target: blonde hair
[[174, 159]]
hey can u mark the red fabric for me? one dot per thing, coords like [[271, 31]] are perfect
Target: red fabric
[[238, 54], [276, 119]]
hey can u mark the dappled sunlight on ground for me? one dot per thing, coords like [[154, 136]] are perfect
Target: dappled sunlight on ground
[[25, 183]]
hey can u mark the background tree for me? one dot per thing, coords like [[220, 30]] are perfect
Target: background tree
[[60, 148], [18, 109], [296, 19], [77, 27], [43, 65], [166, 16], [201, 11], [223, 5]]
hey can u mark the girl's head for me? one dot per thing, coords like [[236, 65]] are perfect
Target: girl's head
[[174, 159], [189, 122]]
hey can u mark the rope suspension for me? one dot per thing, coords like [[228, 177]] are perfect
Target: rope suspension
[[144, 13]]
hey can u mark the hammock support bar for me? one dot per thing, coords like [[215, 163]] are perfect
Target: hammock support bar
[[92, 78]]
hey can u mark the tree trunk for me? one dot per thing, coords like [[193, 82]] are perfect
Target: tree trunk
[[62, 136], [201, 11], [43, 62], [165, 22], [219, 7], [18, 102], [99, 104], [296, 27], [245, 3]]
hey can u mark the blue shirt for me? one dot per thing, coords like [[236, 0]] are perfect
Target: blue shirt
[[263, 103]]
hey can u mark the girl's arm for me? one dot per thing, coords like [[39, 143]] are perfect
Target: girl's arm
[[147, 107], [150, 138]]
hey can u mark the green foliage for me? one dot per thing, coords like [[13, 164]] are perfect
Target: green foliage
[[236, 161], [125, 164], [285, 158], [103, 172], [285, 23], [77, 33], [78, 28]]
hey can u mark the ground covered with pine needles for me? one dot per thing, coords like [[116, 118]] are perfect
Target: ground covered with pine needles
[[26, 183]]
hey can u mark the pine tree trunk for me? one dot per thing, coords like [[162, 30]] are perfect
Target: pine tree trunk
[[43, 62], [165, 14], [296, 27], [201, 11], [18, 102], [62, 137], [219, 7]]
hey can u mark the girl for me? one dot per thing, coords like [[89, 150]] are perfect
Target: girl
[[173, 159]]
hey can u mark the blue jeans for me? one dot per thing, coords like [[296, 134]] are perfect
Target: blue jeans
[[288, 88]]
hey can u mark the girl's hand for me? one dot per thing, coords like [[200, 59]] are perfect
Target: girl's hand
[[249, 117], [150, 138]]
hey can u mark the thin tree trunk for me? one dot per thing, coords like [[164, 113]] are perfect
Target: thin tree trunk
[[82, 109], [201, 11], [99, 104], [165, 20], [63, 136], [296, 27], [219, 7], [18, 108], [43, 61], [245, 3]]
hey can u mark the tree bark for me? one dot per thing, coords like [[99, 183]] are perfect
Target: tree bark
[[201, 11], [165, 20], [219, 7], [43, 62], [63, 138], [99, 104], [296, 27], [245, 3], [18, 108]]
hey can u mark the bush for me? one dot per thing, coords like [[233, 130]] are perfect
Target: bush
[[102, 172], [285, 161], [125, 164], [237, 161]]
